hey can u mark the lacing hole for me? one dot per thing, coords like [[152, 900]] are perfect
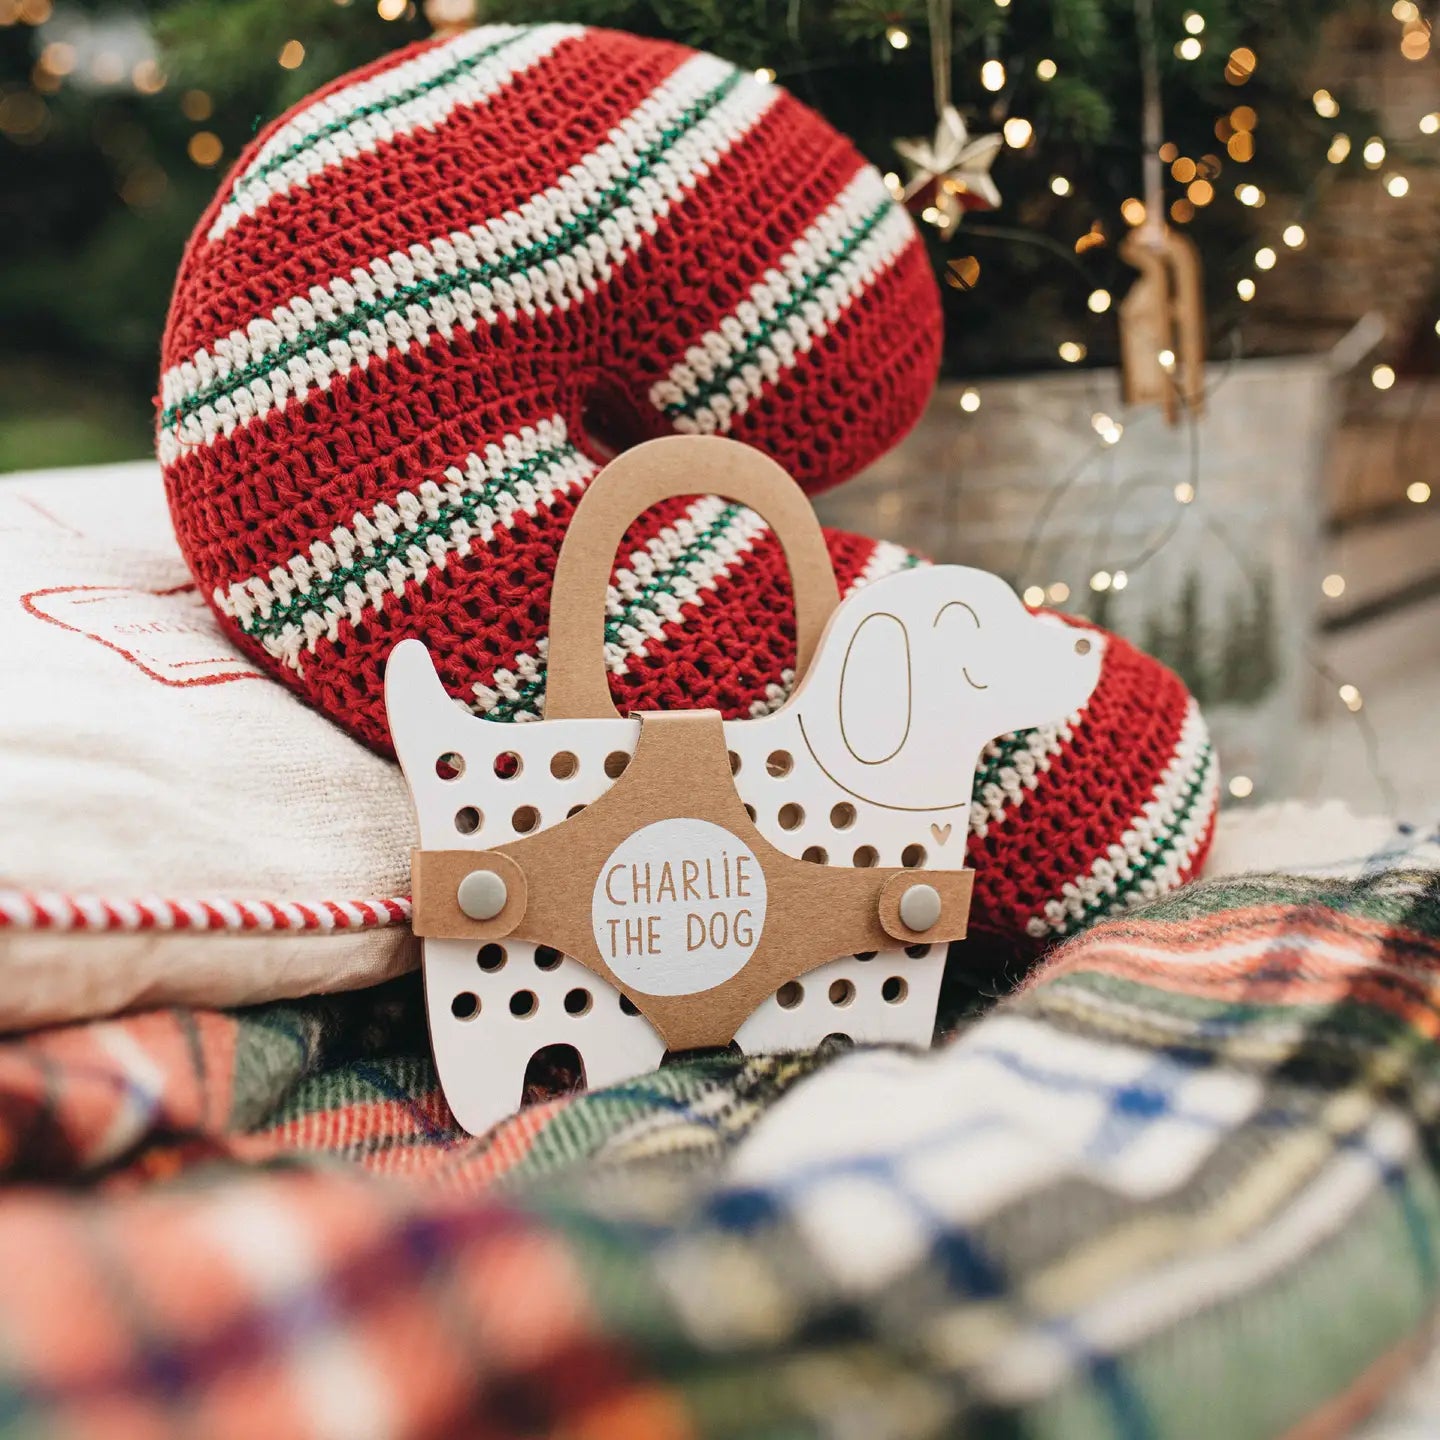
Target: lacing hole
[[912, 857], [867, 954], [734, 763], [577, 1002], [615, 763], [917, 952], [547, 957], [466, 1005], [816, 855], [525, 819], [792, 816], [789, 995], [450, 766], [866, 856], [894, 990], [573, 811], [842, 816], [750, 811], [628, 1006], [563, 765], [842, 992], [523, 1004], [468, 820], [491, 958], [779, 763], [508, 765]]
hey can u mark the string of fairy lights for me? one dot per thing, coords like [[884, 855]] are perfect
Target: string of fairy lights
[[1236, 130], [73, 50]]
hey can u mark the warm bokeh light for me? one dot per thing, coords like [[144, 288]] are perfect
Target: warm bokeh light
[[58, 57], [1240, 66], [205, 148], [1018, 132], [147, 77]]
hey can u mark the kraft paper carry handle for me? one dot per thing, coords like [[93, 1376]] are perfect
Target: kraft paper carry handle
[[577, 685]]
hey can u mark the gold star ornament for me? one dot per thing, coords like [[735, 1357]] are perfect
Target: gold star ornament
[[950, 174]]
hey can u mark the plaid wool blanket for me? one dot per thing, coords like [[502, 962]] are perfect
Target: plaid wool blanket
[[1184, 1181]]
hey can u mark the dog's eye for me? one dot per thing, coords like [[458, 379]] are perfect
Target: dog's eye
[[957, 605]]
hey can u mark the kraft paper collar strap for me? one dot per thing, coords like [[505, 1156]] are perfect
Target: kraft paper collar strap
[[810, 915]]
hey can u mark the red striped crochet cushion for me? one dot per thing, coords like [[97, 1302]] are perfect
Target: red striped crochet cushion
[[429, 300]]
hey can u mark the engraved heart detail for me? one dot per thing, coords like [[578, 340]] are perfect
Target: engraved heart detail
[[941, 833]]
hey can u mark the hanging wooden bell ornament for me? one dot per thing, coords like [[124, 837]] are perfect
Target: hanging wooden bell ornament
[[1162, 319], [1162, 323]]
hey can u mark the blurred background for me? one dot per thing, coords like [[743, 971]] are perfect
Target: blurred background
[[1191, 282]]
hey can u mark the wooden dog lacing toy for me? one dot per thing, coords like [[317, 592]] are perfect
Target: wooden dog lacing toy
[[669, 880]]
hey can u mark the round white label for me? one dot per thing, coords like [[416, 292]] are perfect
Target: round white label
[[679, 907]]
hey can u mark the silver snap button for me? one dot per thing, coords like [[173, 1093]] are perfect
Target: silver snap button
[[482, 895], [920, 907]]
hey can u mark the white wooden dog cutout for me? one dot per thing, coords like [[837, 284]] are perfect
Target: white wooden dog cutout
[[870, 762]]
